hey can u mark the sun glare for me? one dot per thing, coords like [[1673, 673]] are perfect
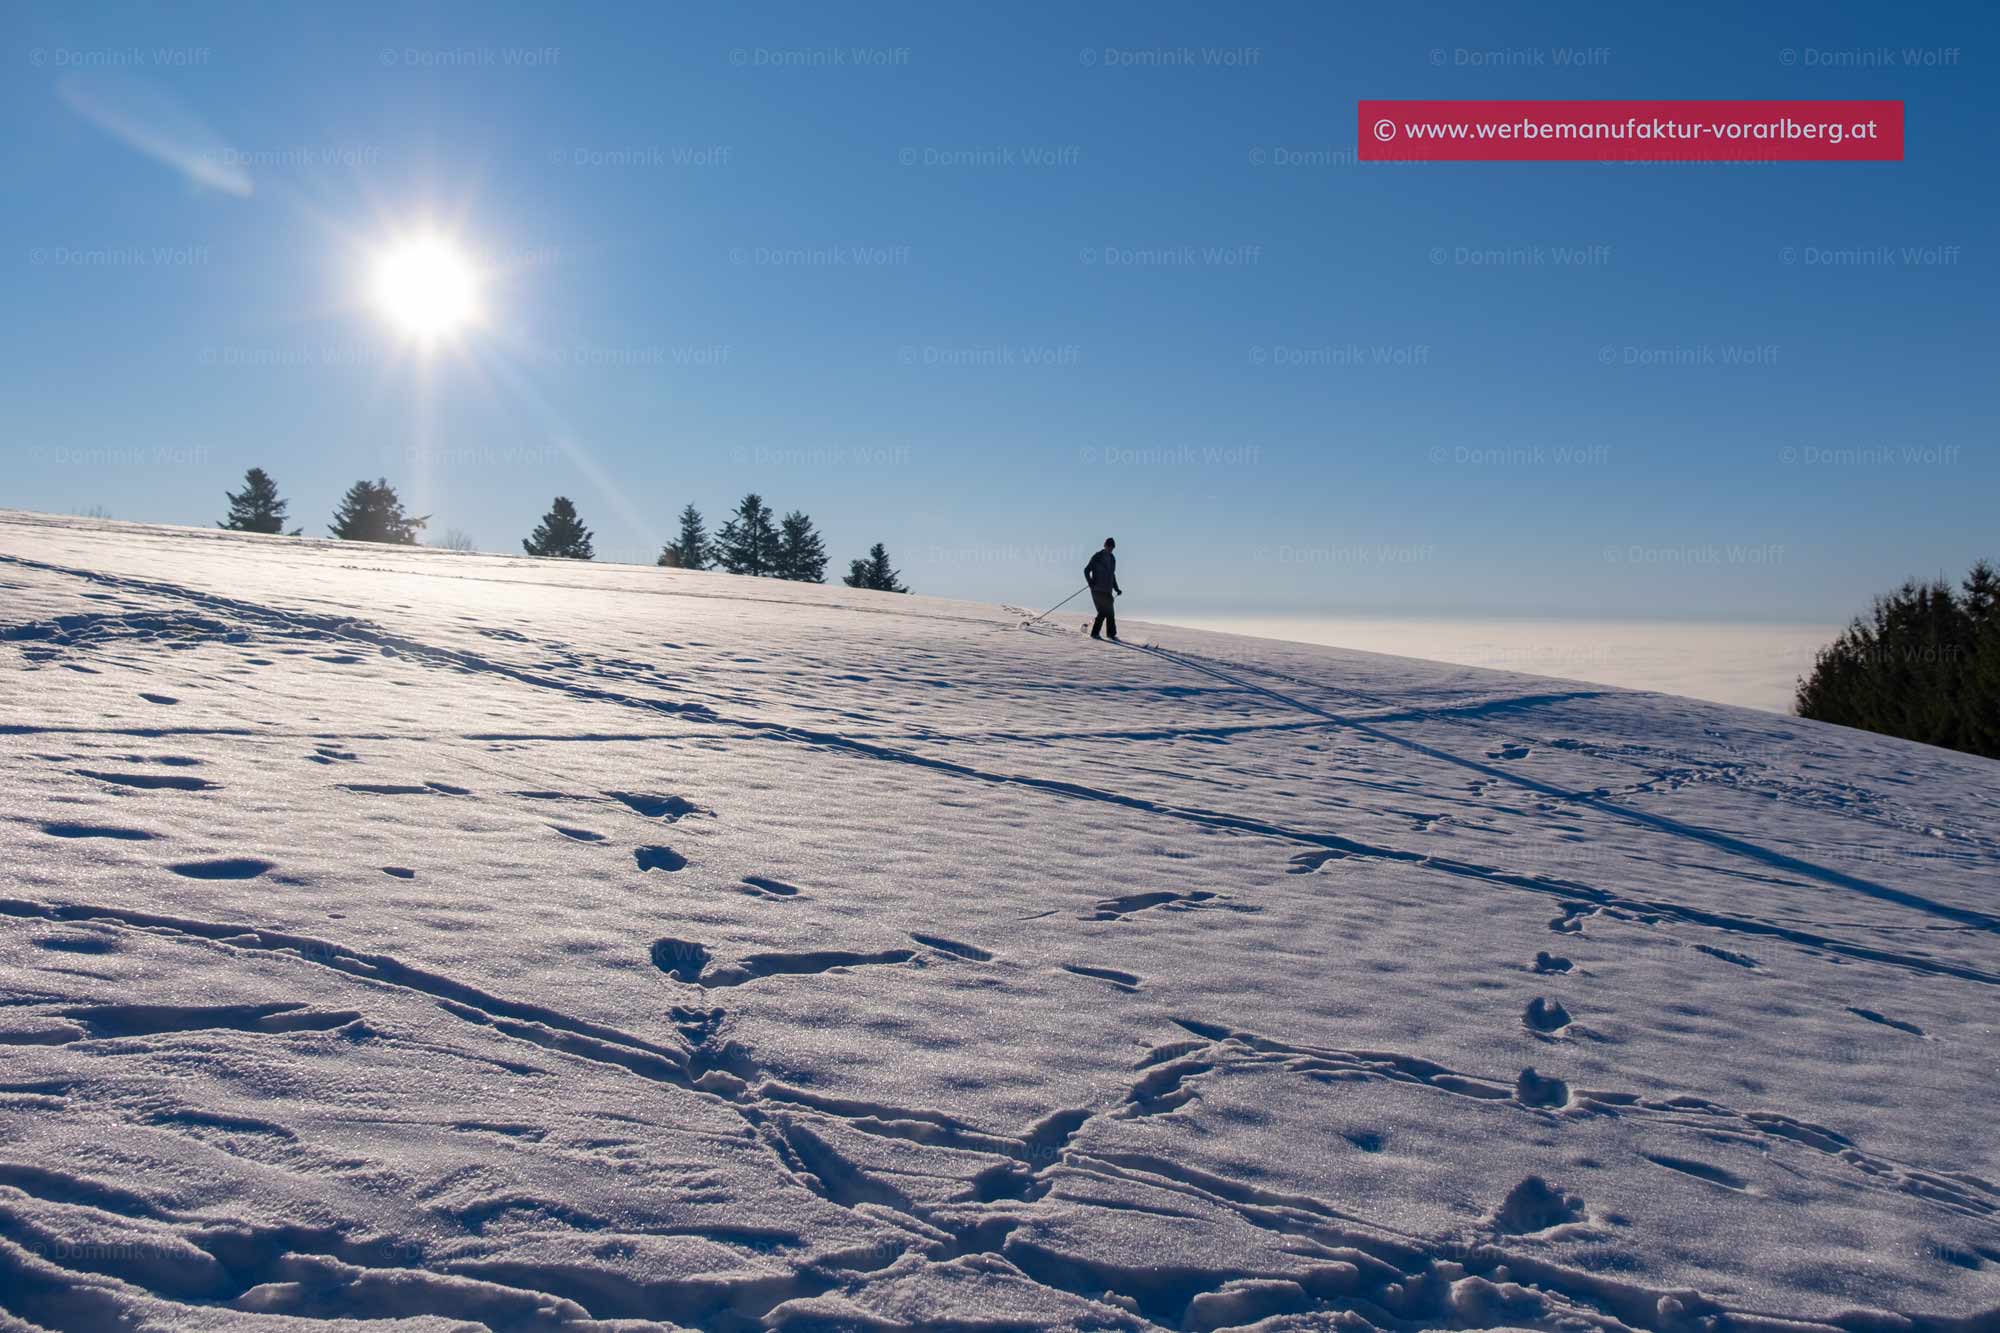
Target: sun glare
[[426, 287]]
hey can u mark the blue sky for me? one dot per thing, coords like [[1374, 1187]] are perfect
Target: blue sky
[[990, 284]]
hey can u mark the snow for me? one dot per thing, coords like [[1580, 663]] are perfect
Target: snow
[[446, 941]]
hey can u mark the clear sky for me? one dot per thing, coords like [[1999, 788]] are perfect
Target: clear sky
[[988, 283]]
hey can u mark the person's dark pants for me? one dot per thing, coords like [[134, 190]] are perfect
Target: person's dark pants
[[1107, 619]]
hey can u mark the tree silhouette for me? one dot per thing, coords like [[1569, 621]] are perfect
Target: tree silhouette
[[748, 542], [692, 549], [255, 508], [801, 553], [371, 511], [874, 572], [1924, 665], [560, 534]]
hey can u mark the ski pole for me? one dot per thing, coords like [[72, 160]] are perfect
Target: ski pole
[[1060, 605]]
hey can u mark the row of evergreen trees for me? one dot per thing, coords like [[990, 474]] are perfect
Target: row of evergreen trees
[[753, 541], [1924, 664]]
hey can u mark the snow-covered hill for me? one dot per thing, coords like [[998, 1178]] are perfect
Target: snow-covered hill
[[451, 940]]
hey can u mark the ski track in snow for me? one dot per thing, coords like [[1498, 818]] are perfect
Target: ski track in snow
[[446, 941]]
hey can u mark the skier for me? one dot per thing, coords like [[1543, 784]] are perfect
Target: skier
[[1102, 576]]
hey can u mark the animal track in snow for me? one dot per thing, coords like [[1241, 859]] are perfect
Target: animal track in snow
[[1549, 964], [1739, 959], [1535, 1205], [577, 834], [1714, 1175], [691, 961], [387, 789], [163, 699], [968, 951], [659, 858], [1509, 752], [668, 809], [65, 829], [149, 781], [227, 867], [1573, 917], [1532, 1089], [1886, 1021], [399, 872], [1124, 981], [1117, 909], [756, 966], [763, 886], [1545, 1016], [682, 960]]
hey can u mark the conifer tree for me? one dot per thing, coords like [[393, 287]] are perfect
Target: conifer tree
[[692, 549], [371, 511], [801, 553], [874, 572], [560, 534], [1924, 664], [748, 542], [257, 507]]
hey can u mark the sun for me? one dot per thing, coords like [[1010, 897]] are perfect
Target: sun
[[426, 287]]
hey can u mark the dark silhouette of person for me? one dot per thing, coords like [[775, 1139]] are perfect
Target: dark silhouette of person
[[1102, 576]]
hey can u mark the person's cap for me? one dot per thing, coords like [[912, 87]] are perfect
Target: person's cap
[[1109, 542]]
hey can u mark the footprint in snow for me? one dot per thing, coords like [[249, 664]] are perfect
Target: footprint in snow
[[577, 834], [1509, 752]]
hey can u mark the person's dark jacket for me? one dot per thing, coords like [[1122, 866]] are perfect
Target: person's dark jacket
[[1102, 573]]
